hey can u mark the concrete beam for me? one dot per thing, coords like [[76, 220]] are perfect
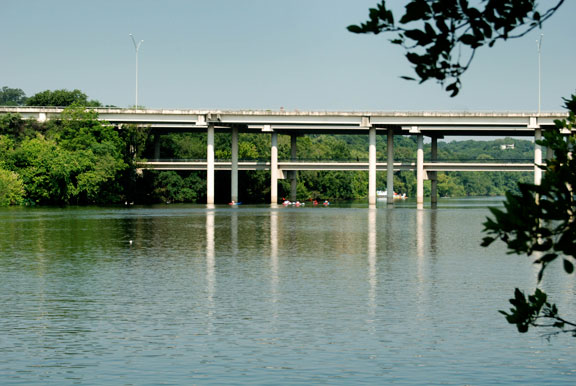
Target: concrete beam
[[274, 169], [234, 166], [390, 167], [294, 173], [434, 175], [537, 157], [372, 166], [210, 165], [420, 170], [288, 166]]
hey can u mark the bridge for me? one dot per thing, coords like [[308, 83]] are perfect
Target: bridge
[[287, 166], [435, 125]]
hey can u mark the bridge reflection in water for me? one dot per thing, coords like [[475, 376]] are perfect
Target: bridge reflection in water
[[343, 295]]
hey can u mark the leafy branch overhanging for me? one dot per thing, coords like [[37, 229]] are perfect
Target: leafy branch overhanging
[[441, 36]]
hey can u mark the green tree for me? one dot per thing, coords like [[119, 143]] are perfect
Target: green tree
[[17, 128], [441, 36], [448, 186], [47, 170], [79, 160], [12, 96], [61, 98], [11, 188], [169, 186], [134, 138], [541, 221]]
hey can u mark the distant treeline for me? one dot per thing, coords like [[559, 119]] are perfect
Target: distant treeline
[[77, 159]]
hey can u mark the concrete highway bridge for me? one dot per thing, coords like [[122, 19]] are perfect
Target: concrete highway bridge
[[435, 125]]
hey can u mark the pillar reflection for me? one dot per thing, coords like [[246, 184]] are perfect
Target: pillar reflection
[[422, 279], [434, 233], [210, 266], [420, 239], [274, 279], [234, 232], [372, 261]]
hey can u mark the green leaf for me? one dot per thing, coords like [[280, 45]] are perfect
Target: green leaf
[[568, 266], [355, 29], [547, 258], [469, 40], [486, 241], [413, 58], [453, 88], [420, 36], [416, 10]]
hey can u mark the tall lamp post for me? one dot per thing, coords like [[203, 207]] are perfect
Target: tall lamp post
[[539, 43], [137, 48]]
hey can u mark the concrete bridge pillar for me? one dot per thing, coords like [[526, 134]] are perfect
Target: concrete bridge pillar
[[420, 170], [433, 176], [390, 167], [274, 169], [210, 165], [234, 173], [372, 166], [537, 157], [294, 173]]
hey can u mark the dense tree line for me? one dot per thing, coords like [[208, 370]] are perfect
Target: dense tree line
[[58, 98]]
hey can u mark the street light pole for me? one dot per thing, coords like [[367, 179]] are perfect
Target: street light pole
[[539, 43], [137, 48]]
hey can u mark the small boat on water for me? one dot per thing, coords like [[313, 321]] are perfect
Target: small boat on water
[[293, 203], [384, 194]]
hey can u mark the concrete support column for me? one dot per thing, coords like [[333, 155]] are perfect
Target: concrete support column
[[294, 173], [156, 146], [372, 166], [210, 166], [274, 169], [434, 175], [390, 167], [234, 174], [537, 157], [420, 170]]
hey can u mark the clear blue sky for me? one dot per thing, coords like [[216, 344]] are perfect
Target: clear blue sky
[[261, 54]]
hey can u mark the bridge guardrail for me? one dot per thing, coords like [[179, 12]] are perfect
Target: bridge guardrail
[[351, 161]]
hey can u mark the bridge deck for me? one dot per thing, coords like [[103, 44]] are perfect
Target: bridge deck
[[314, 122], [338, 166]]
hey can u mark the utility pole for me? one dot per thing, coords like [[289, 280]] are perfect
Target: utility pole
[[137, 48], [539, 43]]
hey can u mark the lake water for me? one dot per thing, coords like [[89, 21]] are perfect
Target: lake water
[[260, 295]]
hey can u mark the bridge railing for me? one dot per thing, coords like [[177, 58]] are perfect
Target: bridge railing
[[349, 160]]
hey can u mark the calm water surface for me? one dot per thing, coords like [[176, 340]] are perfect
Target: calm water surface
[[259, 295]]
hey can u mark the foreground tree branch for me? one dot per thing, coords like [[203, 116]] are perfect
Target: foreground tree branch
[[441, 36], [542, 220]]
